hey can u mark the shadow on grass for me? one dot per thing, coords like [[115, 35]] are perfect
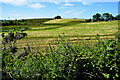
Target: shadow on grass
[[59, 25]]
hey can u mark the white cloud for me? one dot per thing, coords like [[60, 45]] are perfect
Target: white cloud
[[79, 0], [14, 2], [67, 12], [56, 2], [66, 0], [86, 3], [23, 2], [77, 14], [63, 7], [60, 0], [68, 4], [36, 5]]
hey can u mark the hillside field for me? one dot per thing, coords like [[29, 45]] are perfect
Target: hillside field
[[41, 32], [61, 49]]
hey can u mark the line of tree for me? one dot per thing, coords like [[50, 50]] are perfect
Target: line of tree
[[13, 22], [103, 17]]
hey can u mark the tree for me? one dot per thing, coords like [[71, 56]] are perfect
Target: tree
[[117, 17], [97, 17], [88, 20], [15, 23], [23, 20], [11, 22], [105, 16], [102, 19], [111, 17], [94, 18], [58, 17]]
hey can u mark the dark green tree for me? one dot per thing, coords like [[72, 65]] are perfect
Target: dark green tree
[[105, 16], [102, 19], [88, 20], [117, 17], [58, 17], [23, 20], [111, 17], [11, 22], [97, 17]]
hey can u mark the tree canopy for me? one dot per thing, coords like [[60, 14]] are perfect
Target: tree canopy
[[117, 17], [58, 17], [105, 17], [96, 17]]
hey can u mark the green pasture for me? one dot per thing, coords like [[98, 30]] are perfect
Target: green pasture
[[42, 32]]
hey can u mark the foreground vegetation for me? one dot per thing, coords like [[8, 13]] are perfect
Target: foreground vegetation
[[100, 60]]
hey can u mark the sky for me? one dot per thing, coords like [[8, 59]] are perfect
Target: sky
[[10, 9]]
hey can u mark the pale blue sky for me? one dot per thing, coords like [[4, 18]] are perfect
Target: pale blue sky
[[23, 10]]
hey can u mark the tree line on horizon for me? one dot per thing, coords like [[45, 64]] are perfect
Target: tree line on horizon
[[103, 17], [13, 22], [97, 17]]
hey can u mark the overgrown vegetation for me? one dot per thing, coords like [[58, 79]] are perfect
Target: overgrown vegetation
[[100, 60]]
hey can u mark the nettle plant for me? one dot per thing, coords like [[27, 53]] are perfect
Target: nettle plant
[[9, 41], [9, 48], [99, 61]]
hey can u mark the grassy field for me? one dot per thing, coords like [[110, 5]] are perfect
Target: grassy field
[[62, 60], [41, 32]]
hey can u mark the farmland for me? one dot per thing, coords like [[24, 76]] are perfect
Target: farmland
[[76, 29], [59, 40], [61, 49]]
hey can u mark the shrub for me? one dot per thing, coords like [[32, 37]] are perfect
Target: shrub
[[58, 17], [67, 62], [88, 20]]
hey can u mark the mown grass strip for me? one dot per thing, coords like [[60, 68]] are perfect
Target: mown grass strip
[[68, 36]]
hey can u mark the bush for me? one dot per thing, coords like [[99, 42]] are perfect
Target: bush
[[14, 22], [67, 62], [58, 17], [88, 20], [7, 29]]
